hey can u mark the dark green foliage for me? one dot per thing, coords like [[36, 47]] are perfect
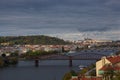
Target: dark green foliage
[[91, 66], [6, 61], [117, 75], [40, 39], [31, 54], [3, 55], [13, 60], [83, 71], [77, 48], [93, 73], [73, 73], [109, 73], [63, 50], [69, 75], [90, 69], [117, 53], [14, 54]]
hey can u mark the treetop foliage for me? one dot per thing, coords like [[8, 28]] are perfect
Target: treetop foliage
[[37, 39]]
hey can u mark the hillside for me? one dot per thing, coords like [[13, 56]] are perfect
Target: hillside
[[38, 39]]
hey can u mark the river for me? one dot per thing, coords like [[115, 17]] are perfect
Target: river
[[47, 69]]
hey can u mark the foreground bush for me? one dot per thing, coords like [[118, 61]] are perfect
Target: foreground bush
[[69, 75], [13, 60]]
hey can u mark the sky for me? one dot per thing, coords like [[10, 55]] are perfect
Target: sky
[[66, 19]]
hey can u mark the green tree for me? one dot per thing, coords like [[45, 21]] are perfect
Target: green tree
[[109, 72], [73, 73], [117, 75], [63, 50], [67, 76], [83, 71], [77, 48], [117, 53], [38, 39], [13, 60], [15, 54], [93, 73]]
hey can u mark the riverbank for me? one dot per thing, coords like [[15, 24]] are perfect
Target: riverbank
[[4, 62]]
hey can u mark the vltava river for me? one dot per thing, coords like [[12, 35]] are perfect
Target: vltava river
[[47, 70]]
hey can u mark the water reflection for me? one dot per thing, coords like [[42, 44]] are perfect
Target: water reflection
[[47, 70]]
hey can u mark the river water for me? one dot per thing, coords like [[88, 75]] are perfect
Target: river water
[[47, 69]]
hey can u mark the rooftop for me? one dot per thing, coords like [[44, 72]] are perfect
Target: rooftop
[[114, 59], [110, 67]]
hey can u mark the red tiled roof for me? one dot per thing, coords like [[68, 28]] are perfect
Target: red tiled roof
[[114, 59], [107, 67], [87, 78]]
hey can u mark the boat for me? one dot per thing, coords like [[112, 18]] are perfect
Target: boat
[[81, 67]]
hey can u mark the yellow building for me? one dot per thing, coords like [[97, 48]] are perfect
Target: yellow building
[[111, 60]]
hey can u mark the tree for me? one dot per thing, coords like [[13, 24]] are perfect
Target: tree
[[5, 60], [67, 76], [83, 71], [93, 73], [15, 54], [117, 53], [77, 48], [63, 50], [73, 73], [108, 72], [117, 75], [38, 39], [13, 60]]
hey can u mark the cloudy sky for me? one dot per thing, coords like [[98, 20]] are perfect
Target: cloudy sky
[[67, 19]]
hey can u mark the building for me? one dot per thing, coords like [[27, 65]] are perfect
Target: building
[[75, 78], [107, 62], [85, 78], [53, 48]]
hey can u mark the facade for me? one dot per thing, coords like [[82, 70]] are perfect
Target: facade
[[53, 48]]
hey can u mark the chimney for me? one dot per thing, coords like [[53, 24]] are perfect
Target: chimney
[[103, 60]]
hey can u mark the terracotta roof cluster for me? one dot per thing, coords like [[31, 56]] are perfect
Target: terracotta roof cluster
[[110, 67], [114, 59], [87, 79], [75, 79]]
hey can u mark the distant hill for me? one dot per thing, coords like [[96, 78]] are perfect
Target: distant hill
[[38, 39]]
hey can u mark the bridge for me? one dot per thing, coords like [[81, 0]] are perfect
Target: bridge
[[70, 57]]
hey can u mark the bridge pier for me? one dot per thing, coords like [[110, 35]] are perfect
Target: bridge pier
[[70, 61], [36, 62]]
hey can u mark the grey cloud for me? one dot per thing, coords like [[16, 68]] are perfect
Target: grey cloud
[[93, 29], [47, 16], [47, 3]]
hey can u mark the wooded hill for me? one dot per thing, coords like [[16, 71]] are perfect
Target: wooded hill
[[38, 39]]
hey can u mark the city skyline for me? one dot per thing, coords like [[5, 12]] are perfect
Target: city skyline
[[66, 19]]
